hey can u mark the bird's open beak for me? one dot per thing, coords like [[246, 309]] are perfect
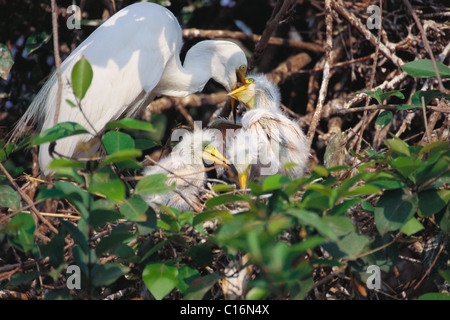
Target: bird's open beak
[[244, 94], [212, 155], [240, 73]]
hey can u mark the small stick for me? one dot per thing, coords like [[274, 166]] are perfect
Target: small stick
[[326, 73], [282, 8], [27, 199], [57, 59]]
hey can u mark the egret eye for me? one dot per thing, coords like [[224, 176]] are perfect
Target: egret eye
[[250, 80]]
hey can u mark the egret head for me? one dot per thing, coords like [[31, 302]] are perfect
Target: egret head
[[258, 92], [198, 147]]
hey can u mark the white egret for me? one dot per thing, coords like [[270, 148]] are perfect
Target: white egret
[[185, 166], [135, 57], [269, 140]]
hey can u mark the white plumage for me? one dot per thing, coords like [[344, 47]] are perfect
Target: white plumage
[[275, 140], [185, 166], [135, 57]]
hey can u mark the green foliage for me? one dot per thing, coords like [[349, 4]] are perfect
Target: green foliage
[[287, 228], [82, 75], [423, 68], [6, 61]]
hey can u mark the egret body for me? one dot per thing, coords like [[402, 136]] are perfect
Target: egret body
[[185, 167], [135, 57], [275, 140]]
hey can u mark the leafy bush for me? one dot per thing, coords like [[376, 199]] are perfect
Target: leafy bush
[[290, 230]]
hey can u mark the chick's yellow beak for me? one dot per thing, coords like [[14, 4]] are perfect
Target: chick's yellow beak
[[244, 177], [212, 155], [244, 94]]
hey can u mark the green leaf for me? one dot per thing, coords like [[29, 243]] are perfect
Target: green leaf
[[160, 279], [423, 68], [311, 219], [209, 215], [36, 40], [103, 211], [394, 209], [134, 208], [405, 165], [105, 182], [115, 141], [6, 61], [144, 144], [129, 154], [433, 201], [131, 124], [199, 287], [77, 235], [223, 199], [82, 75], [153, 184], [186, 275], [428, 95], [411, 227], [223, 188], [398, 146], [106, 274], [348, 246], [275, 182], [59, 131], [9, 198], [435, 296], [117, 237], [384, 118], [22, 225], [380, 96]]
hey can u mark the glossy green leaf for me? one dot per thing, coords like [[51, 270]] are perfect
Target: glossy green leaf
[[412, 226], [398, 146], [275, 182], [384, 118], [6, 61], [210, 215], [424, 68], [433, 201], [59, 131], [435, 296], [394, 209], [105, 182], [199, 287], [129, 123], [308, 218], [106, 274], [115, 141], [153, 184], [134, 208], [82, 75], [22, 225], [160, 279], [223, 199], [9, 198], [119, 156]]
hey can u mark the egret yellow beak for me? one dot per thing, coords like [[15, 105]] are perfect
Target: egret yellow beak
[[245, 94], [244, 177], [240, 73], [212, 155]]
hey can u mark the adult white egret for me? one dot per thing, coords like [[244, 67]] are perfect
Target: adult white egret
[[269, 142], [135, 56], [185, 166]]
